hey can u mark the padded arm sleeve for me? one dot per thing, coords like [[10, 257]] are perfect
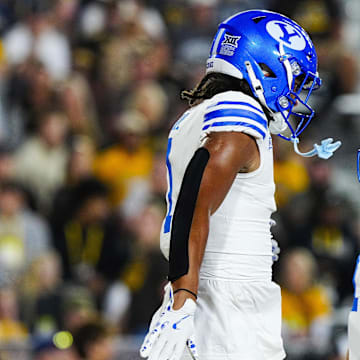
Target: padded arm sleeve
[[183, 214]]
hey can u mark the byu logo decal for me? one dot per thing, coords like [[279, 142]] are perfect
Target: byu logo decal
[[229, 45], [287, 34]]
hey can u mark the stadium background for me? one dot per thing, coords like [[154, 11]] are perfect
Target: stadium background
[[89, 90]]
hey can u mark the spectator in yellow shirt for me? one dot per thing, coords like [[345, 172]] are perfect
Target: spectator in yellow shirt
[[11, 329], [290, 174], [306, 307], [128, 160]]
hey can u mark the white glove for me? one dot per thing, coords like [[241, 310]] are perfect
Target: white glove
[[170, 331], [275, 248]]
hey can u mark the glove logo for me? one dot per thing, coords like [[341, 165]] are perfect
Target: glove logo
[[175, 325], [287, 34]]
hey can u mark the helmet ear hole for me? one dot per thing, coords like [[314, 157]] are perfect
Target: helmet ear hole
[[267, 71]]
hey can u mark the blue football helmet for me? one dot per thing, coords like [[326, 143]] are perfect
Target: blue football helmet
[[276, 57]]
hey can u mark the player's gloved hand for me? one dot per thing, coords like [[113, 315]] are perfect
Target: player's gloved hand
[[171, 331], [275, 248]]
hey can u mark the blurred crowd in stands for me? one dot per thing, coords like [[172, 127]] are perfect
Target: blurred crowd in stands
[[88, 92]]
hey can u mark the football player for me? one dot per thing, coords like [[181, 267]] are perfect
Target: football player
[[220, 302], [354, 318]]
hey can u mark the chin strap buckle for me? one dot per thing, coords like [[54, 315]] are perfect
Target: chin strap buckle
[[324, 151]]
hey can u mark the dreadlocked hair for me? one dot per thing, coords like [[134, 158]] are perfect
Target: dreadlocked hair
[[212, 84]]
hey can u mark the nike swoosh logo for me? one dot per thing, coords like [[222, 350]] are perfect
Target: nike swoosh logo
[[178, 322]]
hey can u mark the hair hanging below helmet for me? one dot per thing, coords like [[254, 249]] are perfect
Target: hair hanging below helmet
[[212, 84]]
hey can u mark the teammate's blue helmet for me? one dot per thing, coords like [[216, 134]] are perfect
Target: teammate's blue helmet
[[274, 55]]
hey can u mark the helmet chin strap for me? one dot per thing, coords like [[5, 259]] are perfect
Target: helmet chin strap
[[326, 149], [277, 123], [257, 86], [284, 59]]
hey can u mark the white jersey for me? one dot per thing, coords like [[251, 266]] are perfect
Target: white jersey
[[239, 241], [354, 317]]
